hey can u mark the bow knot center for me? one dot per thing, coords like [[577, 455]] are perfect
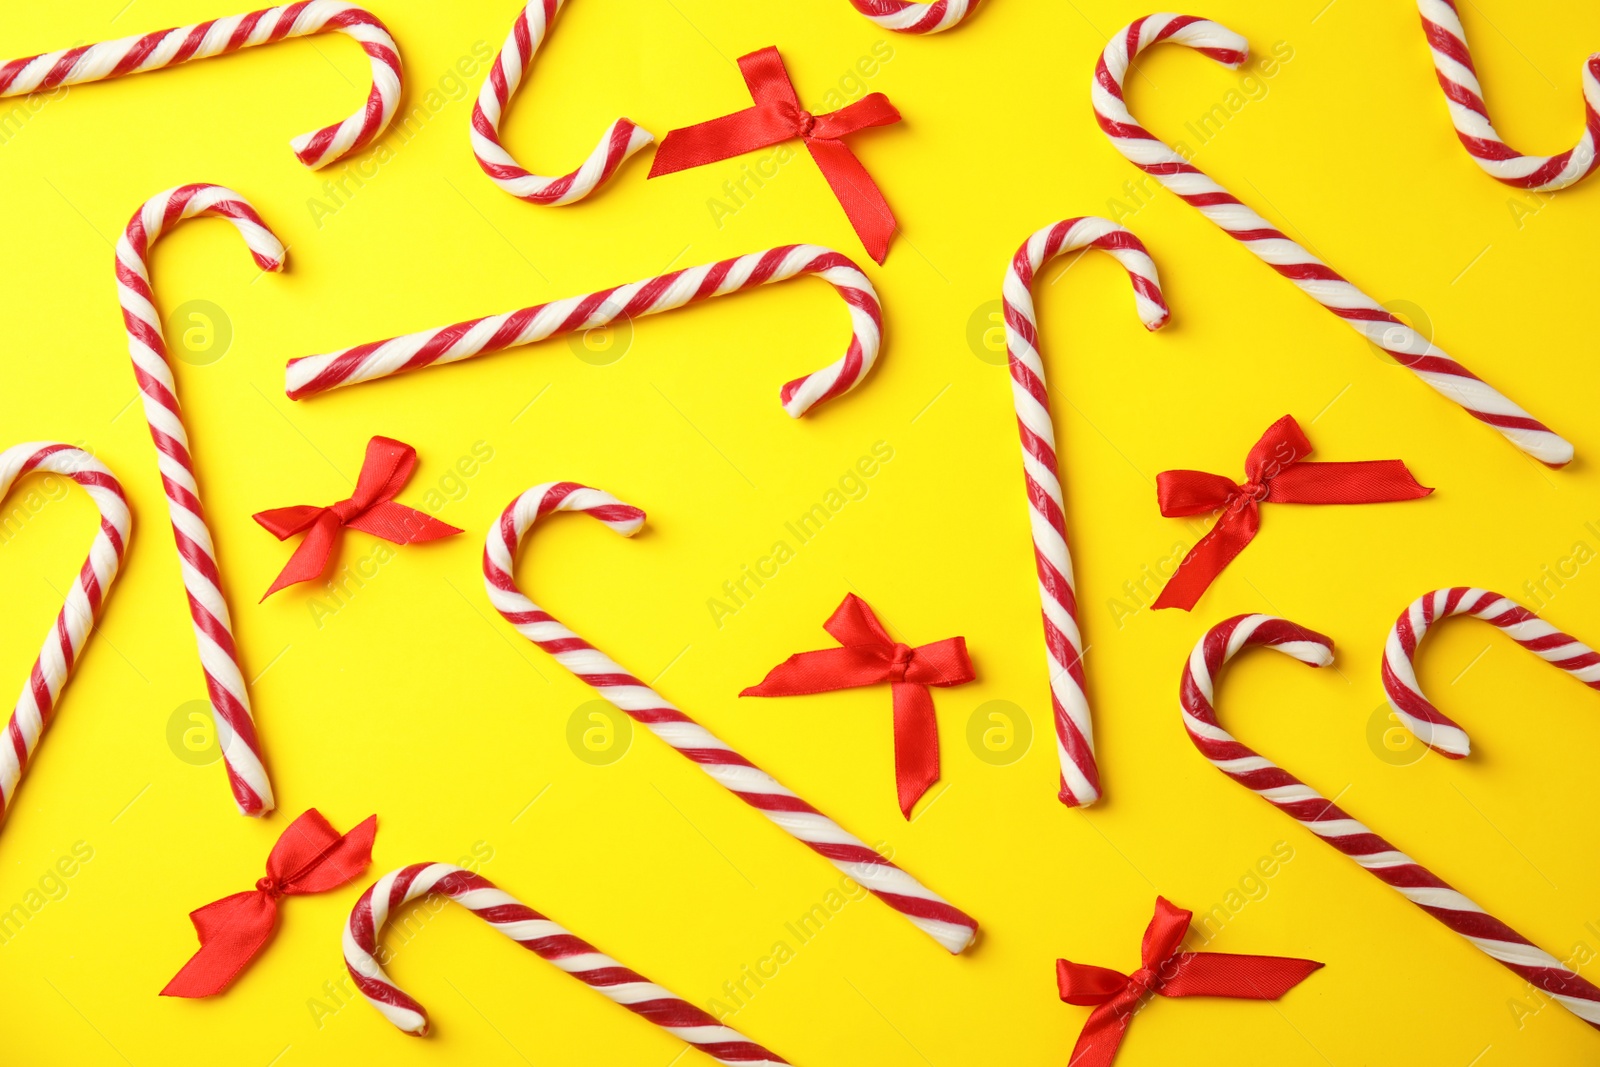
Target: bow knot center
[[901, 661], [1254, 491], [1144, 980], [805, 123], [270, 887]]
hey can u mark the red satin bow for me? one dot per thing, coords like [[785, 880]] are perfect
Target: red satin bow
[[777, 117], [370, 509], [1167, 970], [870, 656], [1276, 475], [310, 857]]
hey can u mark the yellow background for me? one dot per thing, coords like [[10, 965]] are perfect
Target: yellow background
[[414, 700]]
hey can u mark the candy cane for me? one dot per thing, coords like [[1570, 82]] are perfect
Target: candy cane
[[310, 375], [1452, 62], [1080, 778], [168, 48], [621, 140], [906, 17], [1431, 726], [1325, 819], [77, 616], [230, 702], [929, 912], [1312, 276], [549, 940]]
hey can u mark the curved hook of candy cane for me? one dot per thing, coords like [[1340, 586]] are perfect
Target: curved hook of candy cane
[[952, 928], [1452, 63], [1431, 726], [310, 375], [903, 16], [1308, 273], [167, 48], [64, 643], [622, 138], [1080, 777], [213, 629], [1332, 824], [539, 935]]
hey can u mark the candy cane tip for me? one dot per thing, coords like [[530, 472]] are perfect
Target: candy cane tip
[[1073, 801]]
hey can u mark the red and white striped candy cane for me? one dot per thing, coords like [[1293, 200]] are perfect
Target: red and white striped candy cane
[[310, 375], [168, 48], [929, 912], [621, 139], [1431, 726], [903, 16], [77, 616], [549, 940], [1452, 62], [1325, 819], [230, 702], [1080, 778], [1312, 276]]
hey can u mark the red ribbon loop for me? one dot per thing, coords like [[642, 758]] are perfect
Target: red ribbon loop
[[310, 857], [1170, 972], [1276, 473], [370, 509], [776, 117], [870, 656]]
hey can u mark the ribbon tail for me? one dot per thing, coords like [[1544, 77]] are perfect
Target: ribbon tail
[[823, 670], [1101, 1037], [721, 138], [232, 931], [1374, 481], [1240, 977], [916, 744], [311, 556], [857, 193], [400, 524], [1209, 557]]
